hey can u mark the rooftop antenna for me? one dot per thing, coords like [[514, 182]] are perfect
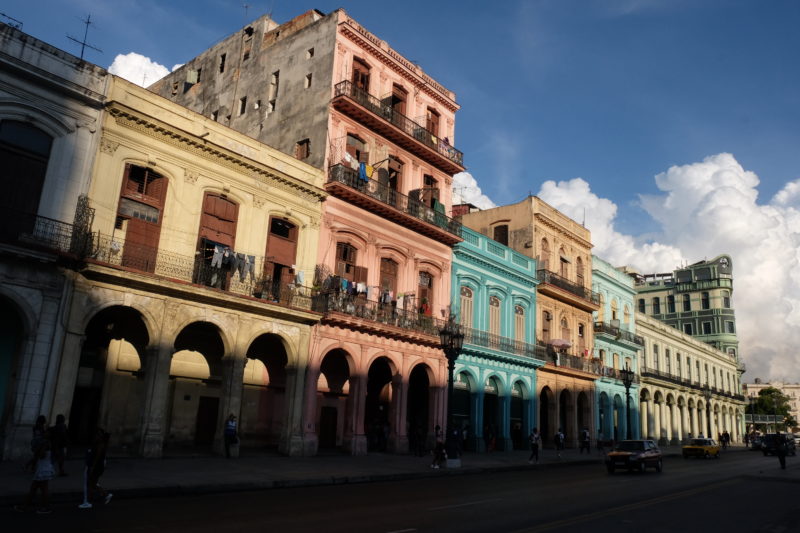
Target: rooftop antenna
[[584, 218], [246, 8], [14, 23], [83, 43]]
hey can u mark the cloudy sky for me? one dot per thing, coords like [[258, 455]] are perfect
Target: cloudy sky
[[674, 125]]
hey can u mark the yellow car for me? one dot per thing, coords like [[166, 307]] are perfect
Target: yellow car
[[701, 448]]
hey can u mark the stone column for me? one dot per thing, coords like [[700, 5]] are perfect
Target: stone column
[[153, 424], [291, 443], [481, 444], [398, 436], [505, 441], [67, 374], [657, 412], [355, 439], [644, 405], [310, 436], [230, 397]]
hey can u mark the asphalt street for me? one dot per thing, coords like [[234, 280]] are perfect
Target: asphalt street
[[741, 492]]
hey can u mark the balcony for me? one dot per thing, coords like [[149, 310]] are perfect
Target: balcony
[[604, 328], [371, 195], [188, 272], [687, 382], [491, 341], [43, 234], [386, 320], [553, 285], [369, 110]]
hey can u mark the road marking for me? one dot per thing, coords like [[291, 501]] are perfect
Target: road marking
[[629, 507], [463, 504], [401, 530]]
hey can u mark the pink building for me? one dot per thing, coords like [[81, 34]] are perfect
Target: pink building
[[323, 88]]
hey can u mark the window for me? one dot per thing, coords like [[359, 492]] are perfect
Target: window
[[500, 234], [199, 74], [687, 303], [222, 63], [389, 270], [687, 328], [641, 305], [174, 88], [706, 328], [494, 315], [429, 195], [705, 301], [601, 312], [395, 173], [726, 299], [247, 47], [689, 367], [671, 303], [614, 310], [307, 83], [355, 151], [656, 357], [582, 351], [579, 271], [626, 316], [678, 364], [668, 361], [302, 149], [309, 53], [397, 100], [346, 260], [519, 323], [25, 152], [466, 307], [544, 255], [564, 329], [656, 306], [242, 105], [563, 269], [425, 293], [729, 327], [274, 83], [360, 74], [432, 121], [615, 361], [215, 115], [547, 319]]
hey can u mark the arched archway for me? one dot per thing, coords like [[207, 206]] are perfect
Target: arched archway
[[464, 390], [12, 337], [418, 409], [264, 392], [378, 405], [584, 412], [547, 414], [195, 378], [517, 419], [107, 392], [619, 418], [333, 400], [492, 416], [566, 415]]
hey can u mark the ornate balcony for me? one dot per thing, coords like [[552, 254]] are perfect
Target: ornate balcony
[[381, 118], [606, 329], [42, 234], [483, 339], [556, 286], [153, 265], [371, 195], [368, 316]]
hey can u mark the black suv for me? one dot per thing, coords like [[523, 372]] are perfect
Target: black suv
[[771, 441]]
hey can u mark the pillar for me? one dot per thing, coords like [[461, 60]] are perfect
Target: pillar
[[156, 366], [67, 374], [230, 398], [355, 441], [504, 441], [398, 436]]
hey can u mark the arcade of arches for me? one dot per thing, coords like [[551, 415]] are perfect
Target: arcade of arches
[[565, 402], [675, 415]]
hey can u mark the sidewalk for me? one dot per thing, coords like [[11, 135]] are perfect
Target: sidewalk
[[255, 470]]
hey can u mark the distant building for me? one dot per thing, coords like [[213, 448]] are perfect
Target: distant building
[[790, 390], [695, 300]]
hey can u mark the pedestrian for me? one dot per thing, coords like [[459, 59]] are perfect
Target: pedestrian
[[39, 430], [231, 434], [780, 449], [43, 472], [94, 468], [439, 454], [535, 440], [585, 441], [59, 448], [559, 442]]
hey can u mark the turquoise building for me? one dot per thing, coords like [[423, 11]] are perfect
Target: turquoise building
[[494, 298], [616, 348]]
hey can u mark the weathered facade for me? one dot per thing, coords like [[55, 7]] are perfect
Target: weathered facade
[[494, 297], [178, 317], [50, 112], [688, 387], [564, 303], [616, 347]]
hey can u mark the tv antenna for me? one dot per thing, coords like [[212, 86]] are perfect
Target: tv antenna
[[14, 23], [246, 8], [83, 43]]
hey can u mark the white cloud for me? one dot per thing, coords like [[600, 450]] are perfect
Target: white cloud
[[138, 69], [706, 209], [466, 191]]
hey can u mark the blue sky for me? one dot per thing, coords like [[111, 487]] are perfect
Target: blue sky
[[621, 109]]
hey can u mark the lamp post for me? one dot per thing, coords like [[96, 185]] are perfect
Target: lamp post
[[707, 395], [451, 341], [627, 380]]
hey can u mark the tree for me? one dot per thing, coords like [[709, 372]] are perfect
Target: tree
[[772, 401]]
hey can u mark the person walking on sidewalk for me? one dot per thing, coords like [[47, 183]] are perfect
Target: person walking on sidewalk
[[43, 472], [780, 449], [231, 436], [585, 441], [39, 431], [94, 469], [439, 454], [559, 442], [535, 440]]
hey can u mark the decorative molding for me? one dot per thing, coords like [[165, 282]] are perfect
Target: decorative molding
[[258, 202], [108, 146], [190, 176]]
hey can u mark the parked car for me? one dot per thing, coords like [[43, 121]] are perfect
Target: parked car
[[755, 444], [634, 455], [771, 441], [796, 439], [701, 448]]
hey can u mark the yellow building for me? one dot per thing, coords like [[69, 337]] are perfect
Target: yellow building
[[564, 305], [195, 301]]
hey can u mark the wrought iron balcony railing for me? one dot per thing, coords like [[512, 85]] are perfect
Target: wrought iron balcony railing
[[402, 122], [546, 276], [686, 382], [391, 198], [485, 339], [45, 234], [619, 333], [198, 270]]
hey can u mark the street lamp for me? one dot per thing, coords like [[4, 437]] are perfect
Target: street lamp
[[627, 380], [451, 340], [707, 394]]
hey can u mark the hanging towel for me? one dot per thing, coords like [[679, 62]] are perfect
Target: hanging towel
[[362, 172], [370, 170]]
